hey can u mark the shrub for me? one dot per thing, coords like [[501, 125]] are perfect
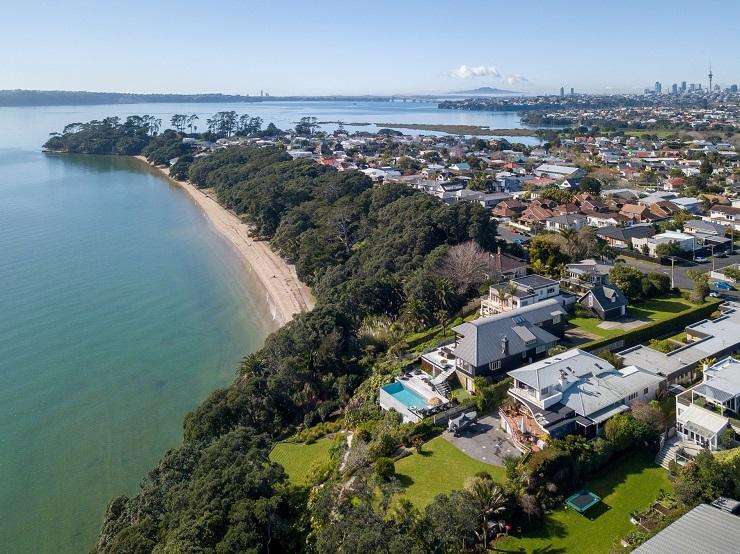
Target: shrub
[[384, 468]]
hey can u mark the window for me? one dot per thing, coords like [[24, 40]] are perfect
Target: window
[[542, 348], [645, 391], [495, 365], [631, 396], [550, 290]]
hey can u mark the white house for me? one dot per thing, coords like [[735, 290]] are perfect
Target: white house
[[707, 410], [685, 242]]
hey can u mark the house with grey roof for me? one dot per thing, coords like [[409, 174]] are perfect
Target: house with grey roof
[[519, 293], [623, 237], [559, 171], [708, 414], [605, 301], [572, 393], [709, 338], [564, 222], [492, 345], [709, 529], [588, 273]]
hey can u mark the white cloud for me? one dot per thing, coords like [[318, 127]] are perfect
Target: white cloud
[[516, 79], [466, 72]]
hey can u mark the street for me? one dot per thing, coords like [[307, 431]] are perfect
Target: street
[[681, 279]]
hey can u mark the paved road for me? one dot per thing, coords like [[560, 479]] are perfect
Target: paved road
[[681, 280]]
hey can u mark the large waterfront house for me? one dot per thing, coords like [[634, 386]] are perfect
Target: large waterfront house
[[709, 338], [519, 293], [572, 393], [492, 345], [708, 414]]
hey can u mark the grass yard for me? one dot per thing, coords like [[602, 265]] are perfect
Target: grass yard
[[440, 468], [590, 325], [297, 458], [631, 484], [657, 309]]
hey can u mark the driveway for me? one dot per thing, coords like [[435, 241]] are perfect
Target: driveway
[[484, 441]]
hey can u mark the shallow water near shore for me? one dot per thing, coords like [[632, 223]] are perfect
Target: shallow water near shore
[[120, 310]]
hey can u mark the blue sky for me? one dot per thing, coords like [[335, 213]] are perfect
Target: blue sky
[[365, 47]]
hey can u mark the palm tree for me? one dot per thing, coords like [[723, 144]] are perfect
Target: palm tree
[[489, 499]]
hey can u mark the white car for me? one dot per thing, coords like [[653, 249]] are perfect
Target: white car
[[701, 260]]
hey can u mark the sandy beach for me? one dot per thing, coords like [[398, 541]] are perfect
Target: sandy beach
[[286, 294]]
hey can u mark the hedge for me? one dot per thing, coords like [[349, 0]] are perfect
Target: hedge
[[653, 330]]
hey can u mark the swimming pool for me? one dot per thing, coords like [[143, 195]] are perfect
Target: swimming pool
[[405, 396]]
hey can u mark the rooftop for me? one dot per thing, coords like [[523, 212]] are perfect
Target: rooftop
[[705, 529]]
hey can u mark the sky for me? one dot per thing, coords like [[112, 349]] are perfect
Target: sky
[[365, 47]]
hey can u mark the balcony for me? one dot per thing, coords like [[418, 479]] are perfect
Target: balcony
[[524, 430]]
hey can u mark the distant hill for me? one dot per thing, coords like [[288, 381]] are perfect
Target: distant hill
[[486, 90], [85, 98]]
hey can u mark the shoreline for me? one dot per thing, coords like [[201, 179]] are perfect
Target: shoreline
[[286, 294]]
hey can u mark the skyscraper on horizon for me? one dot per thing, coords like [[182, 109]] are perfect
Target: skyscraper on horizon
[[711, 75], [674, 88], [562, 91], [683, 86], [658, 87]]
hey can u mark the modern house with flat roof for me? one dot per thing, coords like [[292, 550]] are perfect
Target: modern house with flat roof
[[709, 338], [685, 242], [519, 293], [572, 393], [495, 344], [708, 414]]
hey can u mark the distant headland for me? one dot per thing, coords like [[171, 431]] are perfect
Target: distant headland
[[86, 98]]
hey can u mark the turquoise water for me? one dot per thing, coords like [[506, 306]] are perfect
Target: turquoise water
[[404, 395], [120, 310]]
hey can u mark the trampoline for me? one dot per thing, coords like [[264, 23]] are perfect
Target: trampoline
[[582, 501]]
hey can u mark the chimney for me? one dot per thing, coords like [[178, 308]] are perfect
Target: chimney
[[504, 345], [498, 259]]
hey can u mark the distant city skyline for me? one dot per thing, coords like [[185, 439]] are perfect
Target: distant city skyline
[[412, 47]]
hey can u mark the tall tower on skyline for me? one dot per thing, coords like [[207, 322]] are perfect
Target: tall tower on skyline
[[711, 75]]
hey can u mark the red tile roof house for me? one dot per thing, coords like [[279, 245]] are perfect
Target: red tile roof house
[[664, 209], [637, 213], [509, 208], [535, 216]]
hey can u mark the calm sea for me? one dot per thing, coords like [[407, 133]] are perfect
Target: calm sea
[[120, 310]]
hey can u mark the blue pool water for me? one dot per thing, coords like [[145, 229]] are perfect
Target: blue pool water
[[404, 395]]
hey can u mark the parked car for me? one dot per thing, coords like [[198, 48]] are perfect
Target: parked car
[[701, 260], [721, 285]]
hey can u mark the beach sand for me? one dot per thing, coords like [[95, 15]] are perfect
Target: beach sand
[[286, 294]]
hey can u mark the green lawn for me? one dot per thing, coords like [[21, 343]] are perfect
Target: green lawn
[[651, 310], [441, 467], [629, 485], [297, 458]]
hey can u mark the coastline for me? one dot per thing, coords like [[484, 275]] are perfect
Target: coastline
[[287, 295]]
